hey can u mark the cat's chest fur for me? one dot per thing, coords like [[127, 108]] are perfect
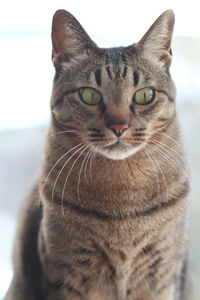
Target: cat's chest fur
[[108, 253]]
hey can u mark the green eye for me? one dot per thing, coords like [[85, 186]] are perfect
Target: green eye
[[144, 96], [90, 96]]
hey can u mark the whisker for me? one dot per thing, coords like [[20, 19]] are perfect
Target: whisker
[[154, 167], [169, 137], [65, 183], [47, 177], [91, 160], [163, 176], [171, 159], [171, 149], [54, 186], [67, 131], [90, 153], [79, 176], [130, 163]]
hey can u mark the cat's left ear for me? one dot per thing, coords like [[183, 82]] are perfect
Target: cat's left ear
[[69, 39], [156, 43]]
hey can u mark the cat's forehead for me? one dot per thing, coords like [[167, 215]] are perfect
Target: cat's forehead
[[109, 74], [118, 57], [110, 68], [110, 64]]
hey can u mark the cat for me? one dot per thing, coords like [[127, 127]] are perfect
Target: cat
[[112, 193]]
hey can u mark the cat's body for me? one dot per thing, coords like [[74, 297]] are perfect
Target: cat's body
[[112, 191]]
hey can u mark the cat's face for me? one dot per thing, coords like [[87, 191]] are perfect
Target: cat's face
[[113, 100]]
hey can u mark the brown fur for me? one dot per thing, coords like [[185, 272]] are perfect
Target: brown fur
[[111, 222]]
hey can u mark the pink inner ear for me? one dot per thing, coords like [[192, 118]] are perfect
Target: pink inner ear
[[69, 39], [59, 35]]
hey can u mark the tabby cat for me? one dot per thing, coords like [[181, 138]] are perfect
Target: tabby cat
[[111, 196]]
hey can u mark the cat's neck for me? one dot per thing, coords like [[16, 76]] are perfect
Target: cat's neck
[[101, 184]]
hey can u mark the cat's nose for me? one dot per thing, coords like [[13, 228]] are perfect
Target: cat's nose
[[118, 127]]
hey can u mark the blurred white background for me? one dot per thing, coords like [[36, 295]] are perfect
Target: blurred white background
[[26, 78]]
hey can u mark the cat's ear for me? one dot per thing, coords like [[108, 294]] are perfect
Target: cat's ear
[[69, 39], [156, 43]]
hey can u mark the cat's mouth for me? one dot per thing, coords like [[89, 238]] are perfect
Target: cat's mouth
[[119, 150], [116, 145]]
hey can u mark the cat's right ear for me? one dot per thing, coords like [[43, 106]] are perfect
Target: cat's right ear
[[156, 43], [69, 39]]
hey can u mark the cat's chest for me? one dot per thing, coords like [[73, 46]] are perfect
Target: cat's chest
[[106, 258]]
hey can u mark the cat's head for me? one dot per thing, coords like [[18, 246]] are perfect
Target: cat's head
[[112, 99]]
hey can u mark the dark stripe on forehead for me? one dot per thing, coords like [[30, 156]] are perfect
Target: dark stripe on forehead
[[98, 77], [124, 72], [109, 72], [135, 78], [124, 58]]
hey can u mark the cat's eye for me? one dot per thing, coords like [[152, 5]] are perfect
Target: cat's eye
[[144, 96], [90, 96]]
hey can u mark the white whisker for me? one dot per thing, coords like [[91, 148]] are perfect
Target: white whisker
[[47, 177], [171, 149], [65, 183], [79, 176], [91, 160], [174, 160], [161, 171], [154, 167], [54, 186], [67, 131], [86, 163], [169, 137]]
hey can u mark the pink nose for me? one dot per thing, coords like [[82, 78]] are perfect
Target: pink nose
[[118, 127]]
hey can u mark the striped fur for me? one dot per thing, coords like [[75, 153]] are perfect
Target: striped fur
[[111, 219]]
